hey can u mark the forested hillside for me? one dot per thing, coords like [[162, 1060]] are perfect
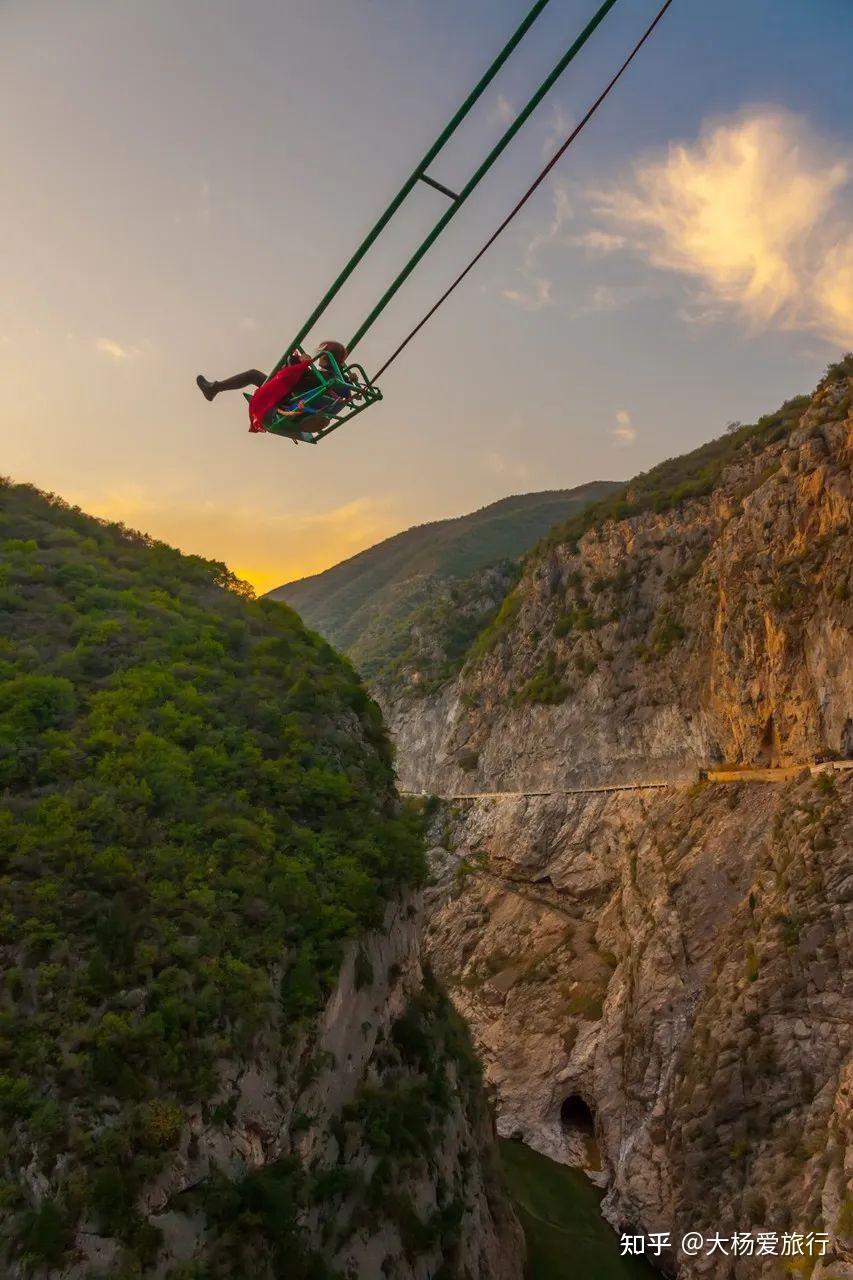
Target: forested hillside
[[198, 817], [369, 605]]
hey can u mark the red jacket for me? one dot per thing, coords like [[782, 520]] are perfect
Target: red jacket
[[273, 391]]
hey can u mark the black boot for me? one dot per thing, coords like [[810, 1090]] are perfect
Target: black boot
[[207, 389]]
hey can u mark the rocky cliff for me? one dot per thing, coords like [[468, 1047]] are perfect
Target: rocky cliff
[[366, 1149], [712, 625], [661, 985], [661, 980]]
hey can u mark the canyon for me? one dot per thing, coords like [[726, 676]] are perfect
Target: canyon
[[247, 1024]]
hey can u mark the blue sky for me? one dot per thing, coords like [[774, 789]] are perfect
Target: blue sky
[[185, 177]]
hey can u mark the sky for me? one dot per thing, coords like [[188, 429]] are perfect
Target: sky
[[183, 179]]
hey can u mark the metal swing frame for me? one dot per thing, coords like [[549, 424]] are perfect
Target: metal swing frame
[[353, 375]]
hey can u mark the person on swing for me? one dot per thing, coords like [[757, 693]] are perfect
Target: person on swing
[[291, 380]]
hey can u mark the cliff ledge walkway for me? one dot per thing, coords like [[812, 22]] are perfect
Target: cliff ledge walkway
[[781, 773]]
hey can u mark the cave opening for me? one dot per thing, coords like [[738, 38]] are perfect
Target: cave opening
[[768, 751], [575, 1114]]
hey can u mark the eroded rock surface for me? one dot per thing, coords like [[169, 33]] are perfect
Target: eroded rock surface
[[438, 1200], [678, 961], [681, 961], [718, 630]]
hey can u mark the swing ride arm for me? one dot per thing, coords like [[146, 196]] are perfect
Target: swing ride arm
[[362, 391], [419, 175], [479, 174]]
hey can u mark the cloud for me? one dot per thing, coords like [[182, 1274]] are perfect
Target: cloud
[[267, 549], [504, 112], [559, 128], [757, 210], [538, 290], [537, 295], [833, 286], [623, 433], [505, 467], [115, 350], [613, 297], [598, 241], [605, 297], [561, 213]]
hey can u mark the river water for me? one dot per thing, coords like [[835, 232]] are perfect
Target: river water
[[559, 1208]]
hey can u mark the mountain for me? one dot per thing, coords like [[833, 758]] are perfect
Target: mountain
[[219, 1052], [367, 606], [653, 951]]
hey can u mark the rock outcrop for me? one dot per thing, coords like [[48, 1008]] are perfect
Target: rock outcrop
[[314, 1133]]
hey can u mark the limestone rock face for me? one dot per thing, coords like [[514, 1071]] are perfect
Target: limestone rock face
[[313, 1113], [680, 961], [661, 981], [718, 630]]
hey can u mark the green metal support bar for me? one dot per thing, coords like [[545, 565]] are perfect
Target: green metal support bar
[[439, 186], [476, 93], [477, 177]]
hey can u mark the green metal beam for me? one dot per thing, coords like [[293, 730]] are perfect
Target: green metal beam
[[476, 93], [477, 177]]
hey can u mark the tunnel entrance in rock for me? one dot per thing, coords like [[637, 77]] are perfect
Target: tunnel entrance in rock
[[575, 1114], [577, 1122]]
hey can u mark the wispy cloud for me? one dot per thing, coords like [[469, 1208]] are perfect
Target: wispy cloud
[[624, 432], [503, 111], [597, 241], [561, 214], [605, 297], [559, 127], [757, 211], [534, 297], [116, 350], [499, 465], [613, 297], [537, 291]]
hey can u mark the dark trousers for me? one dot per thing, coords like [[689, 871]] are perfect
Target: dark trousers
[[251, 378]]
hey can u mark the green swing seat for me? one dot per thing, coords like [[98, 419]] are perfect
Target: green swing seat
[[341, 392]]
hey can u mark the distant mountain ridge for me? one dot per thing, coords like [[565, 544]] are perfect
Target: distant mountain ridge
[[367, 604]]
